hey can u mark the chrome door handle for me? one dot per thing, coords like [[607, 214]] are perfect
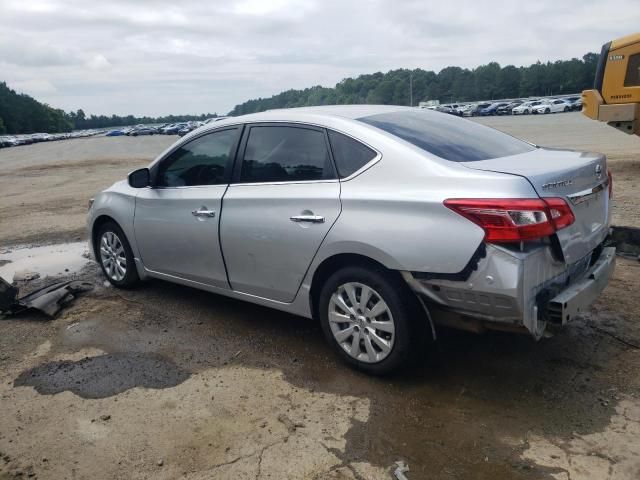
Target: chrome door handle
[[203, 213], [307, 218]]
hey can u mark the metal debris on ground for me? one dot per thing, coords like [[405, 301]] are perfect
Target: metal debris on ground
[[49, 300], [400, 470]]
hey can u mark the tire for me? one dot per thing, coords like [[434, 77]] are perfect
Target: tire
[[112, 250], [566, 109], [526, 112], [547, 110], [401, 322]]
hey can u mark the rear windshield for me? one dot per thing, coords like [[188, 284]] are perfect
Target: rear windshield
[[448, 137]]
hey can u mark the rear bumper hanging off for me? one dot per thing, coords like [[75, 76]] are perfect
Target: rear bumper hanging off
[[526, 290]]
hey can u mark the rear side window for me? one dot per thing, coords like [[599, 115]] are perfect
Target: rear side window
[[349, 154], [203, 161], [448, 137], [285, 154]]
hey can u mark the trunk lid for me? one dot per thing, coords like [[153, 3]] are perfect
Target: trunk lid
[[578, 177]]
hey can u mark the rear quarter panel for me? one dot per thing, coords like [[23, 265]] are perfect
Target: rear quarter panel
[[394, 213]]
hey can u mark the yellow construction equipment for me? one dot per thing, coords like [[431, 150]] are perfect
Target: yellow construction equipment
[[615, 97]]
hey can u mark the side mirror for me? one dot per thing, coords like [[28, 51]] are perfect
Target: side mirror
[[139, 178]]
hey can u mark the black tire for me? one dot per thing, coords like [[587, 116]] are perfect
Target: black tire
[[547, 110], [130, 278], [526, 112], [566, 109], [409, 320]]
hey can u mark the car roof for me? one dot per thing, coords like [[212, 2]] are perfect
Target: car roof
[[351, 112], [341, 117]]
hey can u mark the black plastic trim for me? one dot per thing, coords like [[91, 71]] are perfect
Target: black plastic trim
[[463, 275], [602, 61]]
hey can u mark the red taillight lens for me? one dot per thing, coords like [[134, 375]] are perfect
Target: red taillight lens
[[610, 176], [514, 220]]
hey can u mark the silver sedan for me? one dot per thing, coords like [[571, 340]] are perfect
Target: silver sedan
[[382, 222]]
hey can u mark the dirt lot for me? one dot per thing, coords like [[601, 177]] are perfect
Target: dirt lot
[[168, 382]]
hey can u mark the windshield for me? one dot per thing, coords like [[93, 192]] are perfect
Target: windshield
[[448, 137]]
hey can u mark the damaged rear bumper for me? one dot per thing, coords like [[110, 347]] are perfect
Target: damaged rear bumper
[[517, 290], [577, 298]]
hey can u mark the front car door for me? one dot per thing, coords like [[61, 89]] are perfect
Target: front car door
[[282, 201], [176, 221]]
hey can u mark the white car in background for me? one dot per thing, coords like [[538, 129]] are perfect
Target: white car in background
[[526, 108], [552, 106]]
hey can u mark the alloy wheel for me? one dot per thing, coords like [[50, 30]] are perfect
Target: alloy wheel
[[112, 256], [361, 322]]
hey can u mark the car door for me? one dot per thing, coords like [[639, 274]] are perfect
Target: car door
[[176, 220], [282, 201]]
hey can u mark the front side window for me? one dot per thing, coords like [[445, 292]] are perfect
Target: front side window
[[448, 137], [203, 161], [349, 154], [285, 154]]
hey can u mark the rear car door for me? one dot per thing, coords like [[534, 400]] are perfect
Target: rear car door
[[176, 220], [283, 199]]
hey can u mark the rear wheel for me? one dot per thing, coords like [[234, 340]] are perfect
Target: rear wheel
[[115, 256], [370, 319], [566, 109]]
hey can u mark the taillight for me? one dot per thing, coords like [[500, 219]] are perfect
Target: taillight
[[514, 220], [610, 177]]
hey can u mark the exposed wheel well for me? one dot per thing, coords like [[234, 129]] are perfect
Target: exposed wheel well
[[333, 264]]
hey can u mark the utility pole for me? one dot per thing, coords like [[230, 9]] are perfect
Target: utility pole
[[411, 88]]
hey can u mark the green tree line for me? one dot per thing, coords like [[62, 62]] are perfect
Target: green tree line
[[81, 121], [451, 84], [20, 113]]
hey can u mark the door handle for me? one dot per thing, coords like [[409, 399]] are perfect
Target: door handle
[[203, 212], [307, 218]]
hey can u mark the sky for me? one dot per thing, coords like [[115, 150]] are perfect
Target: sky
[[160, 57]]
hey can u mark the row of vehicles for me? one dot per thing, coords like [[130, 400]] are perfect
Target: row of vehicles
[[27, 139], [513, 107], [180, 128]]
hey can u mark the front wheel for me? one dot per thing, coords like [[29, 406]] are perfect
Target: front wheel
[[566, 109], [547, 110], [526, 112], [115, 256], [370, 319]]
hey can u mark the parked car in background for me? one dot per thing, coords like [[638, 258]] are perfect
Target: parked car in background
[[525, 108], [577, 105], [506, 109], [492, 109], [369, 227], [174, 128], [552, 106], [143, 130], [474, 109], [116, 133], [8, 141], [448, 109]]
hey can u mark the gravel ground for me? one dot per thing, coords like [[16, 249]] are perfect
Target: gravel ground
[[168, 382]]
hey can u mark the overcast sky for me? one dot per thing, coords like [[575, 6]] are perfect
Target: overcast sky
[[194, 56]]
